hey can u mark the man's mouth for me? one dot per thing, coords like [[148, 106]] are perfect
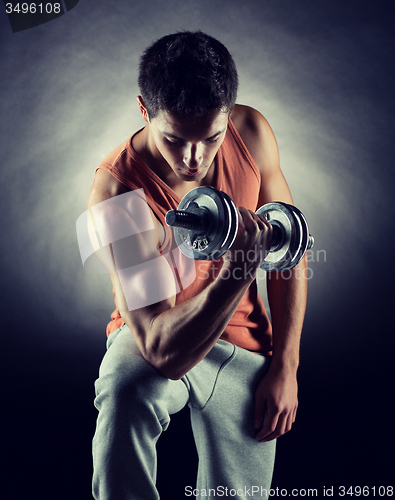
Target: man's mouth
[[191, 173]]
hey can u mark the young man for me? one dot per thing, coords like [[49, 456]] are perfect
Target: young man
[[204, 341]]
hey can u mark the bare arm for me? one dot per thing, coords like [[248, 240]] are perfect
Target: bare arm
[[277, 392], [172, 338], [276, 396]]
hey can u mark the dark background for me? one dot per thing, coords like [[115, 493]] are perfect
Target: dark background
[[323, 75]]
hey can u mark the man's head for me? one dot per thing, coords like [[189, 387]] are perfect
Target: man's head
[[189, 75]]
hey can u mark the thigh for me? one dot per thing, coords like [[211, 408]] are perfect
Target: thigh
[[227, 376], [203, 378], [129, 377], [234, 394]]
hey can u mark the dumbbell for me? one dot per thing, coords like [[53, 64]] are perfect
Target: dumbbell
[[206, 221]]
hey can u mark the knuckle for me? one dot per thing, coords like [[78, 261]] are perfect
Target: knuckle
[[276, 408]]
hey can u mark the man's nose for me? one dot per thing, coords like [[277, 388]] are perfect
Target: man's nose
[[193, 155]]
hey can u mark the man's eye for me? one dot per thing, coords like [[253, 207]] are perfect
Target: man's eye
[[212, 141], [173, 142]]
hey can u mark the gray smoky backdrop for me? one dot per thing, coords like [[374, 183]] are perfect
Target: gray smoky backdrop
[[323, 75]]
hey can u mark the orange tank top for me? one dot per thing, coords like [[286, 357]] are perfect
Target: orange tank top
[[237, 175]]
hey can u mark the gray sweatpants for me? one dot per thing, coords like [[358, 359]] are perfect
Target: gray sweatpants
[[135, 403]]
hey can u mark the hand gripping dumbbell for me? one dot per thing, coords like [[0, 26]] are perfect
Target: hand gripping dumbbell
[[206, 221]]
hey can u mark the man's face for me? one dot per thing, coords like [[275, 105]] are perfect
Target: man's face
[[188, 145]]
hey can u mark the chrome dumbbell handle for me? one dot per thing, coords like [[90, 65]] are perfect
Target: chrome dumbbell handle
[[187, 219], [199, 221]]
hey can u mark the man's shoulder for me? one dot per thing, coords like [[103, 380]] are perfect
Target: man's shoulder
[[116, 155], [243, 115], [250, 123], [255, 132], [104, 187]]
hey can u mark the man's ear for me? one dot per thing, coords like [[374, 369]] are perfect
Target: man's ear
[[143, 109]]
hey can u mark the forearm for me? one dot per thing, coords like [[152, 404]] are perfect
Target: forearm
[[287, 299], [178, 338]]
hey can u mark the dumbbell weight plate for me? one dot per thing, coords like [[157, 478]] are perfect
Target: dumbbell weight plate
[[304, 238], [282, 255], [230, 228], [217, 237]]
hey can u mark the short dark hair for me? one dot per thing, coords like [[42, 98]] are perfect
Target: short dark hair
[[188, 73]]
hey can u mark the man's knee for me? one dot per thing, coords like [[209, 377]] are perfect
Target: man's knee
[[135, 384]]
